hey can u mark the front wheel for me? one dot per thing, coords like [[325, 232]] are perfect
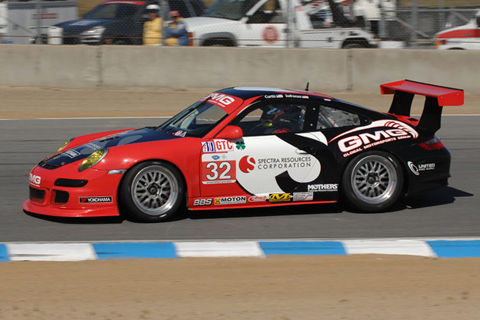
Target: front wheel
[[152, 192], [373, 181]]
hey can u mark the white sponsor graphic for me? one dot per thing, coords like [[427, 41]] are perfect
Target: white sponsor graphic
[[95, 199], [302, 196], [202, 202], [93, 146], [230, 200], [269, 157], [35, 180], [353, 144], [71, 153], [297, 96], [327, 187], [221, 100], [367, 140], [416, 169], [382, 123], [273, 96]]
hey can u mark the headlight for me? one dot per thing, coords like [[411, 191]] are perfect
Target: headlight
[[64, 145], [94, 32], [92, 159]]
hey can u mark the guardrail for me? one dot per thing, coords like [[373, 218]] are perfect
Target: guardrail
[[355, 70]]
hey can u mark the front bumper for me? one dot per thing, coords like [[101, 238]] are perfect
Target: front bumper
[[97, 198]]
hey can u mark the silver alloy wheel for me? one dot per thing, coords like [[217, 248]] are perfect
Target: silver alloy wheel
[[155, 190], [374, 179]]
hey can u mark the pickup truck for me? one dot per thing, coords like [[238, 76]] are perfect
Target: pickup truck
[[116, 22], [277, 23], [466, 37]]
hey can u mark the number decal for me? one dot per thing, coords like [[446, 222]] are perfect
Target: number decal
[[225, 174], [212, 166], [218, 172]]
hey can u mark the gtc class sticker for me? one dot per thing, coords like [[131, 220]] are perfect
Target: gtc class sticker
[[217, 145]]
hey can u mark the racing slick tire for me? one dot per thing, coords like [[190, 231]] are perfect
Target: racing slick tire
[[152, 192], [373, 181]]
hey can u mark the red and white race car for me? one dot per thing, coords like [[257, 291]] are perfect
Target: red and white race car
[[466, 37], [246, 147]]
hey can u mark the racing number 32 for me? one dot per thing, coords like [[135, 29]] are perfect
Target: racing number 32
[[218, 172]]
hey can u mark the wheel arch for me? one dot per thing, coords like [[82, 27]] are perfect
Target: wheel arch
[[182, 174], [361, 42], [217, 38], [389, 152]]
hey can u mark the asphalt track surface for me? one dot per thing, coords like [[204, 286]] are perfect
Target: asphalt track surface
[[449, 212]]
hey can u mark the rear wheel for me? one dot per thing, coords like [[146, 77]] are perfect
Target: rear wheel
[[152, 192], [373, 181]]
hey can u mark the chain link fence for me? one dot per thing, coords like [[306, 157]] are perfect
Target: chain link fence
[[276, 23], [416, 26]]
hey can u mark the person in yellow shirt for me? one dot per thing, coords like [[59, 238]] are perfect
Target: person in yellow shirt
[[152, 29]]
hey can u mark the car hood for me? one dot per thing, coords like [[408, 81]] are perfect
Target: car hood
[[199, 22], [115, 140], [79, 26], [449, 32]]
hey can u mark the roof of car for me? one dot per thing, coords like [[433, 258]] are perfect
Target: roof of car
[[250, 92]]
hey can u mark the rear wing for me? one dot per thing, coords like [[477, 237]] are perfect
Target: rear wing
[[436, 97]]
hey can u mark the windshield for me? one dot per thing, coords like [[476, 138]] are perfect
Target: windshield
[[195, 121], [113, 11], [230, 9]]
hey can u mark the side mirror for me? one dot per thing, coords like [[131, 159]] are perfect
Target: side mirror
[[230, 132]]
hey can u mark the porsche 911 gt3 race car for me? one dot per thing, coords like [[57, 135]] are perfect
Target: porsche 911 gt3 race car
[[246, 147]]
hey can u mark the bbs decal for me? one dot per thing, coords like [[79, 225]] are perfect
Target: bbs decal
[[202, 202]]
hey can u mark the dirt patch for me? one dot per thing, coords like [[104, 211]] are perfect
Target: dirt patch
[[347, 287]]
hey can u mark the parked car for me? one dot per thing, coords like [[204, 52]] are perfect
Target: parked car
[[116, 22], [248, 147]]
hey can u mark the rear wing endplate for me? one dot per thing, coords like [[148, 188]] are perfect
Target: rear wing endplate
[[436, 97]]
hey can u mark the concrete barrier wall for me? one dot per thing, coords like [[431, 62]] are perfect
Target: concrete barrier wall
[[360, 70]]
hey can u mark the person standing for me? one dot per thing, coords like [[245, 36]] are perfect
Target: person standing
[[152, 29], [176, 33]]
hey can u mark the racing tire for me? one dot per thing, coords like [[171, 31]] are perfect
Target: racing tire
[[152, 192], [372, 182]]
